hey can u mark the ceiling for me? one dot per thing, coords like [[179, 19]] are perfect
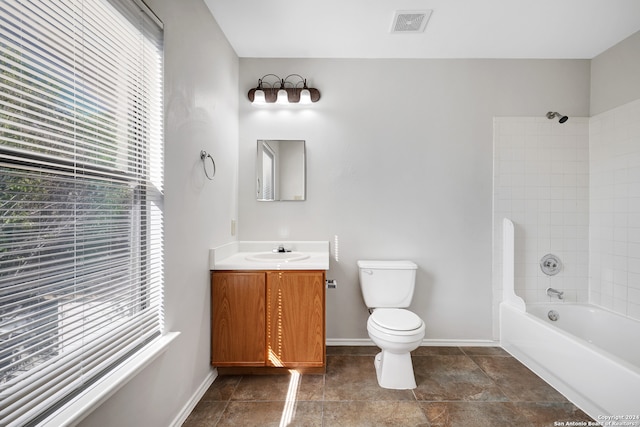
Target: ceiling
[[457, 28]]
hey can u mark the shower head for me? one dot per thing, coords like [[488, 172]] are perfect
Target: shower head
[[553, 115]]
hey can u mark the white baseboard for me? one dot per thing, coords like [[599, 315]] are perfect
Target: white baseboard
[[426, 342], [461, 343], [349, 342], [191, 403]]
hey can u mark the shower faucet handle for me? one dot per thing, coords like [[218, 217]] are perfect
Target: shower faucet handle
[[550, 264]]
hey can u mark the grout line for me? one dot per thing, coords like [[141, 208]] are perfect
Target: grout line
[[497, 358], [324, 390], [226, 405], [486, 374]]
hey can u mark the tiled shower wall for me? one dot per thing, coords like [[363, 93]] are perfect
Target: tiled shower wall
[[614, 262], [541, 183], [572, 190]]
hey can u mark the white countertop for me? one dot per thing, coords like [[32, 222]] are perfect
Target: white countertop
[[233, 256]]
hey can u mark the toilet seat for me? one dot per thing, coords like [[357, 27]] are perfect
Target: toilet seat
[[396, 321]]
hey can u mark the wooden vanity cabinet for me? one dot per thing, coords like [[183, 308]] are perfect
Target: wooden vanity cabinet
[[238, 317], [271, 319], [295, 318]]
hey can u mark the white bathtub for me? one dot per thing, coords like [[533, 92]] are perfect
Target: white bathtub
[[590, 355]]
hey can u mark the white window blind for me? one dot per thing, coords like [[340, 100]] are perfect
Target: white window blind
[[80, 196]]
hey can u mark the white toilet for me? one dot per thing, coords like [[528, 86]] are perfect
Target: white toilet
[[387, 288]]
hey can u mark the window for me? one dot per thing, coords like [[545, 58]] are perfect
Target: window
[[268, 172], [80, 196]]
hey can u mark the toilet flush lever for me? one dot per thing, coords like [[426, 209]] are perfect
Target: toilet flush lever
[[367, 271]]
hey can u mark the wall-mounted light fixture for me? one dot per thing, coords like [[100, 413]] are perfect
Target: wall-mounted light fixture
[[292, 89]]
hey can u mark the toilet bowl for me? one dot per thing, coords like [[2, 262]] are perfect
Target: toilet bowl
[[387, 288], [397, 332]]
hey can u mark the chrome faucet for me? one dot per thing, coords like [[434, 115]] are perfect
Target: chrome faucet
[[280, 249], [555, 293]]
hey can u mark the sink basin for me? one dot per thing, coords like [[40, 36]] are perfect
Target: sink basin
[[277, 256]]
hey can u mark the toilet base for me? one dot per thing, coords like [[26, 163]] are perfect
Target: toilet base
[[395, 371]]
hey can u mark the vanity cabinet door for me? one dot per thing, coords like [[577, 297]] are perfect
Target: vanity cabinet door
[[238, 319], [296, 318]]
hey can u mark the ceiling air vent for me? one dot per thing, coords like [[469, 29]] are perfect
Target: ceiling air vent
[[410, 21]]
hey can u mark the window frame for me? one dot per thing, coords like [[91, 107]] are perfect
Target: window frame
[[144, 227]]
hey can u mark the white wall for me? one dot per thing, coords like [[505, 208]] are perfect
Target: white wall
[[615, 209], [614, 75], [201, 101], [615, 178], [400, 166]]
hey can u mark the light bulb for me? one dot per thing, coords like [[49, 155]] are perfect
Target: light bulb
[[282, 97], [258, 97], [305, 96]]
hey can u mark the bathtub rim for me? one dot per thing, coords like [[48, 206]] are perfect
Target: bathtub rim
[[572, 387], [587, 344]]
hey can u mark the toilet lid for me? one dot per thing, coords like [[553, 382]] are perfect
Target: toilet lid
[[396, 319]]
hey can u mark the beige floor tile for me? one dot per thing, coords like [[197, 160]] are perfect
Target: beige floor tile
[[279, 387], [222, 388], [272, 414], [373, 414], [476, 414], [205, 414], [484, 351], [457, 387], [453, 378], [354, 378], [437, 351], [516, 381], [545, 414]]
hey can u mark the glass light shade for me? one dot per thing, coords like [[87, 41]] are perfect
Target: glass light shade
[[305, 96], [282, 98], [258, 97]]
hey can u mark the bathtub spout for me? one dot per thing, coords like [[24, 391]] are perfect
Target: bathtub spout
[[555, 293]]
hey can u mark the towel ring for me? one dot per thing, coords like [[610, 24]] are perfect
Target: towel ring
[[203, 157]]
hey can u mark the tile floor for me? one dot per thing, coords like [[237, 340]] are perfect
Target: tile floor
[[457, 386]]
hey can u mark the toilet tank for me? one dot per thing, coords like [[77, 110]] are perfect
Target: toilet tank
[[387, 284]]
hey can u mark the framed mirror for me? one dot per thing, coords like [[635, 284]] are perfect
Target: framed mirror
[[280, 170]]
